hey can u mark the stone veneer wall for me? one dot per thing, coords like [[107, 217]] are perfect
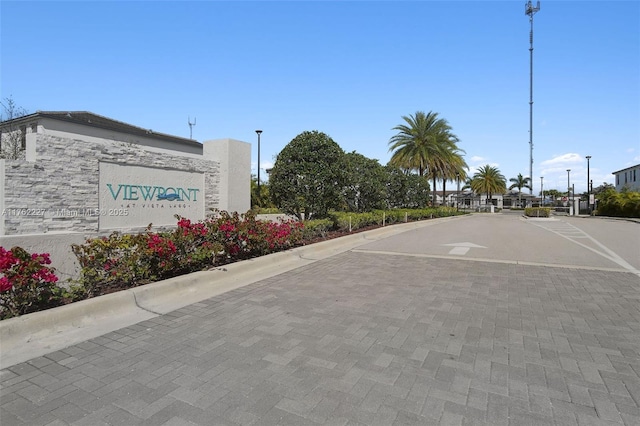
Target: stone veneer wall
[[65, 176]]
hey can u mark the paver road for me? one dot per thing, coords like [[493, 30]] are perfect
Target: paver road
[[536, 329]]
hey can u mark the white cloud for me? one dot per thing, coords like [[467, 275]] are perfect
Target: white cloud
[[562, 160], [474, 169], [477, 159]]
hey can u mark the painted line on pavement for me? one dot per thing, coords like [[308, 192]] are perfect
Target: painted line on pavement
[[459, 250], [477, 259], [462, 248], [576, 232]]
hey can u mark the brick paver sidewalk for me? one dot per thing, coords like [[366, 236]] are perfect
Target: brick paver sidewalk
[[360, 338]]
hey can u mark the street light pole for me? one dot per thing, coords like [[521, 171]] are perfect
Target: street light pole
[[541, 191], [569, 188], [458, 193], [588, 189], [258, 132], [594, 197]]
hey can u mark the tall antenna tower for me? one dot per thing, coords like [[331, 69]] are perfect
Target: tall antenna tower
[[191, 126], [530, 10]]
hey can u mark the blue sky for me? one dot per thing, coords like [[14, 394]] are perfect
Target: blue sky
[[349, 69]]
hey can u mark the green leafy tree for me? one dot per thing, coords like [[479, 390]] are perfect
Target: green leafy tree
[[308, 176], [553, 194], [602, 188], [520, 182], [417, 195], [488, 180], [405, 189], [364, 183]]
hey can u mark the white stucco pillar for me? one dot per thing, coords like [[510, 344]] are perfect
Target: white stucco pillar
[[234, 157], [30, 149]]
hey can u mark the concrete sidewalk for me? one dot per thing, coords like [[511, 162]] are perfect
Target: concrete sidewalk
[[358, 338]]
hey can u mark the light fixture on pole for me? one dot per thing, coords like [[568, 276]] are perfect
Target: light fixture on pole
[[258, 132], [588, 157], [531, 10], [541, 191]]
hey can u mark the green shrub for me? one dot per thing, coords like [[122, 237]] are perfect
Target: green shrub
[[395, 216], [537, 212], [345, 221], [353, 221], [619, 204], [317, 228]]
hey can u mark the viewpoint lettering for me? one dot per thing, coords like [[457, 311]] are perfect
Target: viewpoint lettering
[[148, 192]]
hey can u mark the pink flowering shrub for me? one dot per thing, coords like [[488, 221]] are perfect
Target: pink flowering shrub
[[123, 261], [246, 237], [27, 284]]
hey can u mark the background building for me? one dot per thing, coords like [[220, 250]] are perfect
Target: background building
[[629, 178]]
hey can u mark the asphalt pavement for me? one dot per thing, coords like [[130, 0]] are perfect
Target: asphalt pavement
[[487, 319]]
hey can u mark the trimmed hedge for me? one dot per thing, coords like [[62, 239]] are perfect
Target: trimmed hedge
[[537, 212], [348, 222]]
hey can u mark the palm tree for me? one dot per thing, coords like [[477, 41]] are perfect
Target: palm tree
[[426, 144], [520, 182], [456, 169], [488, 180], [553, 194]]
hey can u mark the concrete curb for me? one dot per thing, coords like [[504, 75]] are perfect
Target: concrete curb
[[33, 335]]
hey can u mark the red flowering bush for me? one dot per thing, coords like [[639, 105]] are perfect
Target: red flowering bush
[[27, 284], [122, 261], [247, 237]]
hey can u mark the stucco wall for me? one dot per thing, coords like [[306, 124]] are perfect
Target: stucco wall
[[234, 158], [58, 245]]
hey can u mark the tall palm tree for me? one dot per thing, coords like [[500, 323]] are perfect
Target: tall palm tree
[[424, 143], [520, 182], [488, 180], [453, 171]]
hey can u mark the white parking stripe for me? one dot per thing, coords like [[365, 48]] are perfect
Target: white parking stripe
[[572, 233]]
